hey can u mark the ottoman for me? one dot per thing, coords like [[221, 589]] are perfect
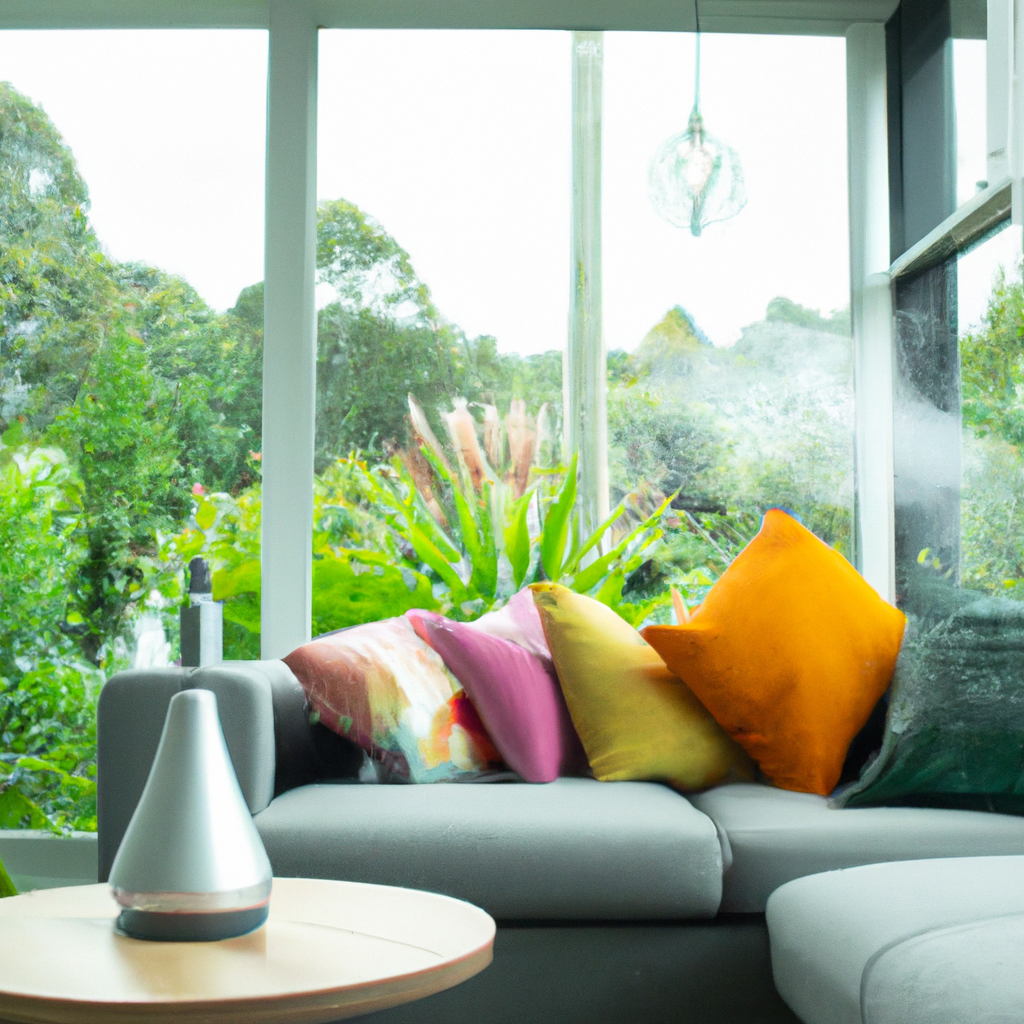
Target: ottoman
[[936, 941]]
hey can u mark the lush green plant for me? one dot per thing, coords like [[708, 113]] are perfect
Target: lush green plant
[[125, 450], [47, 692], [6, 885], [462, 566]]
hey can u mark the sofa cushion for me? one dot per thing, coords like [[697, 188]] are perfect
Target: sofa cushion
[[955, 730], [830, 932], [381, 686], [518, 622], [775, 835], [573, 849]]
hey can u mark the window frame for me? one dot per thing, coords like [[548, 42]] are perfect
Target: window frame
[[290, 235]]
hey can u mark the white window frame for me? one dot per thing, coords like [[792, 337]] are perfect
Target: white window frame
[[289, 356]]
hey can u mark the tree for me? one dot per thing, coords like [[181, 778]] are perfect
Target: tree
[[209, 368], [55, 285], [120, 436], [992, 366]]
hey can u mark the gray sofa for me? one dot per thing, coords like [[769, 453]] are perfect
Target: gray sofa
[[617, 902]]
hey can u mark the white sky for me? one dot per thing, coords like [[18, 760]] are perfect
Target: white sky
[[780, 102], [458, 143], [169, 130]]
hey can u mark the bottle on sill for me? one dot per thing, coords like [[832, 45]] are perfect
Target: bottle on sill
[[202, 622]]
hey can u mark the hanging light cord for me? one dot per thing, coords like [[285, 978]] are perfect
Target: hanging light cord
[[696, 73]]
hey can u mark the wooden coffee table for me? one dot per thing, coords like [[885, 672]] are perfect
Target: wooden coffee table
[[328, 950]]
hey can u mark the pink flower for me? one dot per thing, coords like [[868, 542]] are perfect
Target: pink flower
[[198, 490]]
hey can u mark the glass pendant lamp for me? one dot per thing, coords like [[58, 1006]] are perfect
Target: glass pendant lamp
[[694, 179]]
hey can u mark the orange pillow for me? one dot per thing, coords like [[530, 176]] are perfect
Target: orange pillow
[[790, 651]]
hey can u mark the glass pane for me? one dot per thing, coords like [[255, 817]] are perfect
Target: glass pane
[[729, 351], [969, 69], [443, 179], [991, 317], [958, 423], [131, 222]]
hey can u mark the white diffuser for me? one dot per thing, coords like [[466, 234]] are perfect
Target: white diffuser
[[191, 866]]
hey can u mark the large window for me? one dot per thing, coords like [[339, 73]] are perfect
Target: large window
[[442, 264], [131, 248], [495, 296]]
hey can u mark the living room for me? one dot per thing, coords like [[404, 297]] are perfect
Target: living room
[[323, 235]]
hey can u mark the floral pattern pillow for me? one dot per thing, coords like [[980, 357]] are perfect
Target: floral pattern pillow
[[382, 687]]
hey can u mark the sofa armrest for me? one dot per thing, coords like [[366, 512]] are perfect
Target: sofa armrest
[[130, 720], [262, 710]]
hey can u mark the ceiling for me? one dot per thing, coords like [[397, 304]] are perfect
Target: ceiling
[[818, 17]]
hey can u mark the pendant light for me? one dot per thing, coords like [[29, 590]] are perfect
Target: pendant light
[[694, 179]]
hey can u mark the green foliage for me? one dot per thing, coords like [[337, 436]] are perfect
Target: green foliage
[[120, 438], [55, 291], [991, 513], [47, 693], [6, 885], [208, 368], [40, 500], [992, 367]]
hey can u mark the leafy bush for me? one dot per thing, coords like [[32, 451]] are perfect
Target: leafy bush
[[414, 532], [6, 885], [47, 691]]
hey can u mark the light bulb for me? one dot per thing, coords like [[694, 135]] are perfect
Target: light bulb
[[695, 180]]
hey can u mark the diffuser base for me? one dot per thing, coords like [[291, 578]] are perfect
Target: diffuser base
[[208, 927]]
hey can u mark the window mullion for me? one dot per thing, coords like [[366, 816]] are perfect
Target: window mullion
[[289, 339], [871, 305], [585, 378]]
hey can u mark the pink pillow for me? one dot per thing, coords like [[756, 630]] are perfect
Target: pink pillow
[[518, 622], [516, 695]]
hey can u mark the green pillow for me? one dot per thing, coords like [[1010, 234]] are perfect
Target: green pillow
[[955, 729]]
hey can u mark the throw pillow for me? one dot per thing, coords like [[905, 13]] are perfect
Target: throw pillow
[[635, 718], [381, 686], [517, 622], [955, 729], [790, 651], [515, 693]]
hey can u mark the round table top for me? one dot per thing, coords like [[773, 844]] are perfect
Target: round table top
[[328, 950]]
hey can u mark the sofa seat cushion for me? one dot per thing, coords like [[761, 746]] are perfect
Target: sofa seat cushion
[[775, 836], [856, 946], [574, 849]]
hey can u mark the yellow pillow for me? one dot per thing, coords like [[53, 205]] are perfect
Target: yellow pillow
[[790, 651], [635, 718]]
